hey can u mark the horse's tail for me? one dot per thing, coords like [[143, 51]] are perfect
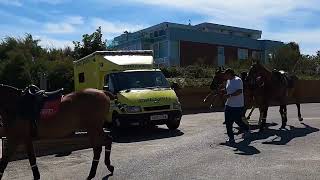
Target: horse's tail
[[295, 66]]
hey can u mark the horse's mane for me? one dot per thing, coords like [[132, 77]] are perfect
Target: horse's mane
[[263, 67]]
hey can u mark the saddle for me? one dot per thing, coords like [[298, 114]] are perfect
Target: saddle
[[280, 78], [36, 105]]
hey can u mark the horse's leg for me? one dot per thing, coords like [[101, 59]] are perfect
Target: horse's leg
[[96, 139], [12, 145], [32, 159], [96, 157], [264, 113], [252, 109], [108, 153], [299, 112], [284, 116]]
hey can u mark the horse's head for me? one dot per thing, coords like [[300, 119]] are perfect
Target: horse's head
[[9, 97], [257, 76], [218, 80]]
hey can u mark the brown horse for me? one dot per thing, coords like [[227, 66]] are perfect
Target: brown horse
[[269, 86], [85, 110]]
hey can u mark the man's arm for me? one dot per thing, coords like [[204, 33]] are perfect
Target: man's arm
[[239, 85], [236, 93]]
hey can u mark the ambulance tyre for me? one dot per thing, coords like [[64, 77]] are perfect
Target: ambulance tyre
[[173, 124]]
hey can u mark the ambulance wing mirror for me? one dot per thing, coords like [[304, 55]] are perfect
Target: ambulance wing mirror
[[106, 88], [174, 86]]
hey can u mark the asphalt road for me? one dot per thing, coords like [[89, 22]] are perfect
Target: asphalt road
[[197, 151]]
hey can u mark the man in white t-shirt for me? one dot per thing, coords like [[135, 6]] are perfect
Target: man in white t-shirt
[[234, 105]]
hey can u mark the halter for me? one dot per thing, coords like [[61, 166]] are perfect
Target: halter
[[11, 87]]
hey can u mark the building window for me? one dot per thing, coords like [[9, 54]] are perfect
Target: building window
[[156, 50], [242, 54], [162, 32], [156, 34], [81, 77], [256, 55], [163, 49]]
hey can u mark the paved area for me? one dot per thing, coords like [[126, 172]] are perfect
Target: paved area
[[197, 151]]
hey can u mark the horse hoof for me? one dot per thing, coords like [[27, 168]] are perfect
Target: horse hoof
[[261, 130], [283, 127], [89, 178], [111, 169], [300, 119]]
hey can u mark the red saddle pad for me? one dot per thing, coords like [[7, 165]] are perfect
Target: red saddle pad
[[49, 109]]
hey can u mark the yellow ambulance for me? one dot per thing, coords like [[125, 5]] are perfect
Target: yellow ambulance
[[143, 95]]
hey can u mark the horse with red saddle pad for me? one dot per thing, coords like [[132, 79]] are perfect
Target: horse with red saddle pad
[[30, 113]]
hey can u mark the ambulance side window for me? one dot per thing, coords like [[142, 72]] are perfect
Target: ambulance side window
[[81, 77]]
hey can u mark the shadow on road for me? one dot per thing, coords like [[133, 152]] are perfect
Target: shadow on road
[[285, 136], [282, 137], [137, 134], [201, 111]]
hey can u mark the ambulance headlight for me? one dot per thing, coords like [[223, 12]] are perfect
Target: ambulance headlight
[[133, 109], [176, 105]]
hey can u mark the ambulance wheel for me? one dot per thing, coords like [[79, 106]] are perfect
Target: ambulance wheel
[[173, 124]]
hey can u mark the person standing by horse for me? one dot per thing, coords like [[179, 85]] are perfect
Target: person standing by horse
[[234, 105]]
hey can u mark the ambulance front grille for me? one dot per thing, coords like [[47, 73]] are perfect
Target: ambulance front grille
[[157, 108]]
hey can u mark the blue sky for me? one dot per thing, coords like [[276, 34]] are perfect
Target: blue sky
[[59, 22]]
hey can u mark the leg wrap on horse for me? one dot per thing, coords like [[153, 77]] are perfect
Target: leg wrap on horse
[[35, 171], [95, 161], [107, 160]]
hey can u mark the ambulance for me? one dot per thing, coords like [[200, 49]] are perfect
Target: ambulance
[[143, 96]]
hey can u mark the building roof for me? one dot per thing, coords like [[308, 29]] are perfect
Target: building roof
[[225, 27], [198, 27]]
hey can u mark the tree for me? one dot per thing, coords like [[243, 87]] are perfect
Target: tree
[[23, 61], [286, 57], [16, 72], [90, 43], [26, 46]]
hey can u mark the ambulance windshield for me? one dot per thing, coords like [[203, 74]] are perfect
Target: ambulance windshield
[[138, 80]]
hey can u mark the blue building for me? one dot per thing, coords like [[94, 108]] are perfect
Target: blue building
[[206, 43]]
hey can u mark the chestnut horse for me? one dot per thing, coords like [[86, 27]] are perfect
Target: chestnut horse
[[269, 86], [83, 110]]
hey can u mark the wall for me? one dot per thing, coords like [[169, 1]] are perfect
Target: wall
[[192, 98], [197, 53], [203, 53]]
